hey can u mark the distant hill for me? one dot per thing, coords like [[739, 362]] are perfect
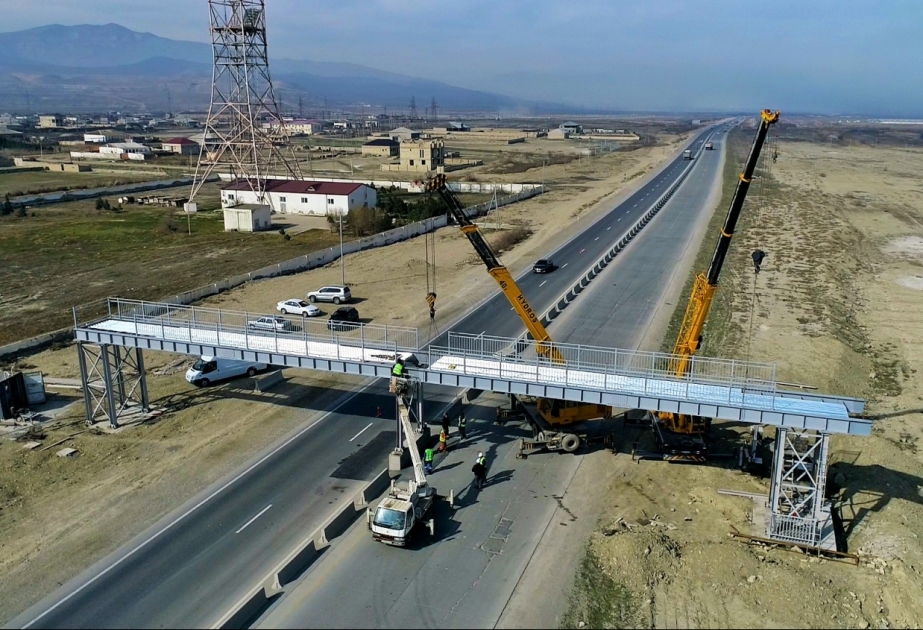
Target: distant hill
[[69, 68]]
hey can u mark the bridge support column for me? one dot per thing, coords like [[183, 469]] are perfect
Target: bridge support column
[[113, 381], [798, 512]]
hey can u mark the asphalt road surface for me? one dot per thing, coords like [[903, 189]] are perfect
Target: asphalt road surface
[[190, 567], [466, 575]]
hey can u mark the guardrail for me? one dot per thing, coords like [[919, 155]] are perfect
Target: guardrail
[[516, 356]]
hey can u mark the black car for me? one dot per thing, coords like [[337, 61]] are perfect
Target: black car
[[543, 266], [344, 318]]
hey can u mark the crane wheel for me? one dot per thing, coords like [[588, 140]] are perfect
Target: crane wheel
[[570, 443]]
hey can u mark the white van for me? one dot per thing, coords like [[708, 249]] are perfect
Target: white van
[[207, 370]]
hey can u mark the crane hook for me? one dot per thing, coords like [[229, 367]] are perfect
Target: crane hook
[[758, 256]]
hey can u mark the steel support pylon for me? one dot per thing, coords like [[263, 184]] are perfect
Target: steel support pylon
[[798, 512], [113, 379], [244, 133]]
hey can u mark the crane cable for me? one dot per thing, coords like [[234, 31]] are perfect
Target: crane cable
[[429, 240], [766, 159]]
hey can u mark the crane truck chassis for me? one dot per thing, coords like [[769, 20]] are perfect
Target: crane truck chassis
[[406, 507]]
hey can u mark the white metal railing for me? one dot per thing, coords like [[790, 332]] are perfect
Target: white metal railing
[[234, 329], [517, 356]]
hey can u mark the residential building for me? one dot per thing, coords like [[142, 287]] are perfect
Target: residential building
[[383, 147], [50, 121], [423, 156], [126, 151], [182, 146], [571, 127], [303, 197], [300, 127], [95, 138], [403, 134]]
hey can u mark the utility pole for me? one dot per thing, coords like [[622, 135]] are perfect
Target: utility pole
[[300, 107], [433, 107], [342, 260], [413, 108]]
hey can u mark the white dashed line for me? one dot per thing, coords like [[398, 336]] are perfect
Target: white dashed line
[[248, 523], [543, 283], [360, 433]]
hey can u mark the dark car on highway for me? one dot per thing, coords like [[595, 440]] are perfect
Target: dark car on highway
[[344, 318], [543, 266]]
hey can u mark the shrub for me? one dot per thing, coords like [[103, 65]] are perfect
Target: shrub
[[507, 240]]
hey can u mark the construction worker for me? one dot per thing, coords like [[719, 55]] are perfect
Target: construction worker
[[428, 456], [398, 385], [482, 460], [443, 442], [462, 426], [445, 423], [480, 474]]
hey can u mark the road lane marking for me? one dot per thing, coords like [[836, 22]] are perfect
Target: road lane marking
[[183, 516], [634, 206], [620, 218], [543, 283], [596, 239], [248, 523], [360, 432], [610, 227], [583, 250], [564, 265]]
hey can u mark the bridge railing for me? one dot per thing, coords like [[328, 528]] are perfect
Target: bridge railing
[[195, 323], [516, 356]]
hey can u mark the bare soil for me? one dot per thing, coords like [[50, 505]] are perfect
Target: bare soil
[[51, 509], [836, 307]]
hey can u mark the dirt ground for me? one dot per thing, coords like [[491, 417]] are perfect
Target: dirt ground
[[837, 306], [51, 509]]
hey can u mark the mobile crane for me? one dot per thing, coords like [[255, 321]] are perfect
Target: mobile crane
[[405, 507], [682, 437], [552, 415]]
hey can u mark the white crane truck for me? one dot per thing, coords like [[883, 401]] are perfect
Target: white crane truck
[[405, 507]]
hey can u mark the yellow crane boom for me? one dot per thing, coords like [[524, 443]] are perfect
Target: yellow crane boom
[[689, 338], [497, 271]]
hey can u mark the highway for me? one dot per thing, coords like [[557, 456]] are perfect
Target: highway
[[468, 576], [191, 566]]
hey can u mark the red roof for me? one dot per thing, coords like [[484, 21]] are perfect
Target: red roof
[[180, 141], [299, 187]]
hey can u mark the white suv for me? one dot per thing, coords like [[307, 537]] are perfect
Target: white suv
[[336, 295]]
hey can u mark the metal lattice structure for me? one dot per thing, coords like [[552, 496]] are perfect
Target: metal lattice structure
[[235, 139], [798, 512], [113, 380]]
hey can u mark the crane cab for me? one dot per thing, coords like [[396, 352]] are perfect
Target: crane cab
[[564, 412]]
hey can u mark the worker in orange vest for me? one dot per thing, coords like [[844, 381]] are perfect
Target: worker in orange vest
[[443, 442]]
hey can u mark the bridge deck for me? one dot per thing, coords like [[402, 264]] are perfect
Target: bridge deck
[[729, 390]]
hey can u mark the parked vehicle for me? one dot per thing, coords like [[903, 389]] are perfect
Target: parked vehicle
[[543, 266], [207, 370], [270, 323], [298, 307], [337, 295], [344, 318]]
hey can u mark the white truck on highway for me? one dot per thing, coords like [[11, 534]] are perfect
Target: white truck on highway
[[687, 154], [709, 146], [405, 507]]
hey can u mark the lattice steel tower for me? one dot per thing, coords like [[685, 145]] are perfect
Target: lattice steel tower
[[235, 139]]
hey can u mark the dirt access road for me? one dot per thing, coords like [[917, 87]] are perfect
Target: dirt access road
[[837, 306], [59, 515]]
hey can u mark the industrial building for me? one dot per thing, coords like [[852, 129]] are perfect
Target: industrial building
[[181, 146], [303, 197], [571, 127], [382, 147], [558, 134], [404, 134], [95, 138], [301, 127], [130, 151]]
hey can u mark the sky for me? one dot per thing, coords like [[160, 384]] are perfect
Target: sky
[[822, 56]]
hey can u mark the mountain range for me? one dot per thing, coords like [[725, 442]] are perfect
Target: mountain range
[[70, 68]]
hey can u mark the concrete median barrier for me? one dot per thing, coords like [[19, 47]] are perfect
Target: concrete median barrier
[[376, 487], [295, 563], [244, 610], [265, 382], [337, 524]]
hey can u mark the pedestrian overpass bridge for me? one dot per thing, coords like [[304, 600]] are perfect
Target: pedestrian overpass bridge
[[113, 377]]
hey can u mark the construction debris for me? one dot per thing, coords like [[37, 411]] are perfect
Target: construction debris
[[67, 452]]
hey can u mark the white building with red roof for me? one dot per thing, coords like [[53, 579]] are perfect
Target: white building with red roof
[[303, 197], [182, 146]]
